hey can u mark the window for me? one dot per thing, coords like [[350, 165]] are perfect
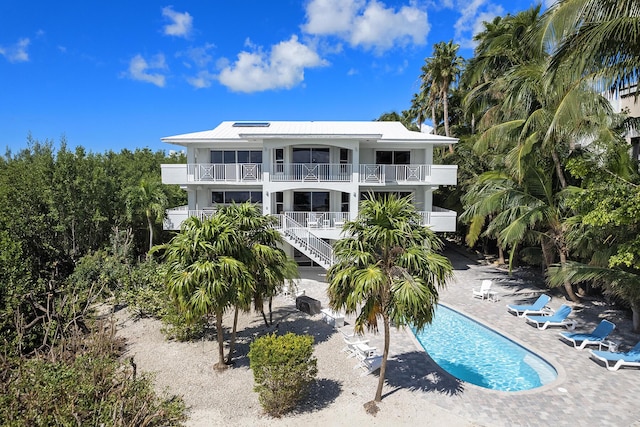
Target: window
[[228, 197], [279, 202], [232, 156], [310, 155], [279, 154], [393, 157], [344, 203], [311, 201]]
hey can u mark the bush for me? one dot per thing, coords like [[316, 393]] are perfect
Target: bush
[[283, 369], [83, 385]]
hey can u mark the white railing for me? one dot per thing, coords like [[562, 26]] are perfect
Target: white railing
[[217, 172], [394, 173], [311, 172], [439, 219], [435, 174], [322, 220], [305, 241]]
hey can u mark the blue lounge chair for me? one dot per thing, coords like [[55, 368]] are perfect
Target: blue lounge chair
[[614, 361], [538, 307], [596, 337], [558, 319]]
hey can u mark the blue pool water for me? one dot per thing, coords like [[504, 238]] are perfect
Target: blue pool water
[[476, 354]]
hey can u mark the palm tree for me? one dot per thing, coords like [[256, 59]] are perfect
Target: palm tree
[[445, 67], [203, 276], [595, 38], [150, 199], [262, 253], [388, 269]]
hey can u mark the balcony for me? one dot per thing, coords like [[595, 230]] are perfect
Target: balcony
[[439, 219], [311, 172], [176, 216], [409, 174], [212, 173]]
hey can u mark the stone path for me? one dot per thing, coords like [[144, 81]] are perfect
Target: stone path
[[584, 393]]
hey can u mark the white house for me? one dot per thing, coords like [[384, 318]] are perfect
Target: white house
[[311, 175]]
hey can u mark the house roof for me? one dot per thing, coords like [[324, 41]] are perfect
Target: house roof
[[370, 130]]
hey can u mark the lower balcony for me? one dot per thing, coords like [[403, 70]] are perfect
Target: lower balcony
[[323, 223]]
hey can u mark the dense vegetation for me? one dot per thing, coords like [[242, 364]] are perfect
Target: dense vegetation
[[544, 172], [70, 237]]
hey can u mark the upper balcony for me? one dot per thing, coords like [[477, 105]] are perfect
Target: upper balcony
[[211, 172], [409, 174], [251, 173], [311, 172]]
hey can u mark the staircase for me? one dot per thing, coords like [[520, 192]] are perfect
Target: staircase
[[306, 242]]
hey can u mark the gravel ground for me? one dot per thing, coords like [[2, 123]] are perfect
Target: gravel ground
[[216, 398]]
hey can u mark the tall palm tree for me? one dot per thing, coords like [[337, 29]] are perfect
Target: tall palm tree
[[203, 276], [388, 268], [150, 199], [445, 67]]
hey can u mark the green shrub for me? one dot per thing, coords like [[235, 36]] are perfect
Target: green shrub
[[86, 386], [283, 370]]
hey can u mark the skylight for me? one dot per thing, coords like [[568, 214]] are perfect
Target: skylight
[[251, 124]]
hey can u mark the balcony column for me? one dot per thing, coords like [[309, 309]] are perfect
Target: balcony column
[[428, 199], [266, 183], [354, 197]]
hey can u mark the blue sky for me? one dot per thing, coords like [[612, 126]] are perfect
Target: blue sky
[[123, 74]]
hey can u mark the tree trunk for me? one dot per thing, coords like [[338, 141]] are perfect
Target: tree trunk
[[150, 223], [264, 317], [500, 255], [559, 171], [233, 336], [385, 355], [220, 334], [445, 106], [567, 285], [433, 119], [635, 316], [271, 310]]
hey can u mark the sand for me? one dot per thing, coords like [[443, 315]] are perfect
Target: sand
[[227, 398]]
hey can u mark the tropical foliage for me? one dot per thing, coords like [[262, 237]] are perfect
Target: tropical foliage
[[387, 270]]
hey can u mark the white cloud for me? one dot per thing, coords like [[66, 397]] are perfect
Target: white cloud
[[139, 69], [473, 14], [181, 23], [202, 80], [199, 56], [282, 68], [16, 52], [369, 24]]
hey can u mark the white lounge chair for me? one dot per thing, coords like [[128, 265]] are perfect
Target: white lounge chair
[[537, 308], [484, 291], [595, 337], [369, 365], [350, 341], [614, 361], [558, 319]]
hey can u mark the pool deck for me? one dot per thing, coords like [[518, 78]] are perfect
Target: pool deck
[[585, 393]]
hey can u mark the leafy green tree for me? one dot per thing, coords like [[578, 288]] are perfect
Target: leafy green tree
[[388, 268], [150, 199], [203, 277]]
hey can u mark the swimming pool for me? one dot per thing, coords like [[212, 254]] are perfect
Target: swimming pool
[[476, 354]]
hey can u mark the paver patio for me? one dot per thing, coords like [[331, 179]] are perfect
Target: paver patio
[[584, 393]]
